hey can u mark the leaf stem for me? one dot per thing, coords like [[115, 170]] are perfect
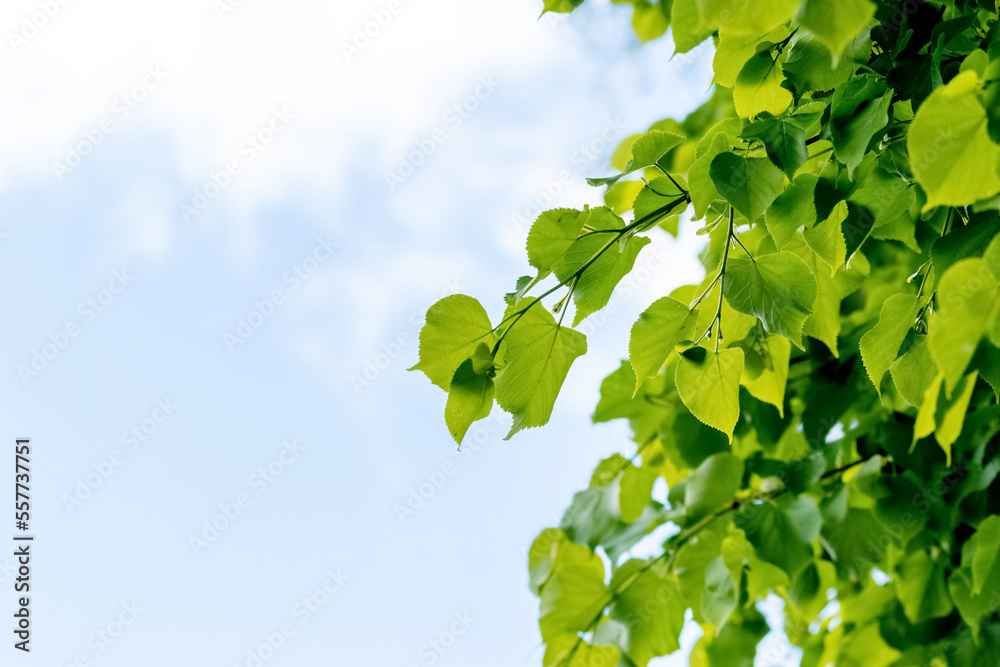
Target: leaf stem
[[694, 304], [730, 237], [633, 227], [740, 243]]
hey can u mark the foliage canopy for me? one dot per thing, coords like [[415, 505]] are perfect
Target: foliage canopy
[[822, 406]]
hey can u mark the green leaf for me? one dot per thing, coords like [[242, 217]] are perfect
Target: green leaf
[[618, 401], [733, 52], [538, 356], [951, 414], [765, 369], [987, 364], [920, 586], [685, 23], [777, 288], [702, 188], [592, 515], [962, 243], [736, 643], [859, 541], [653, 611], [708, 383], [657, 195], [559, 649], [620, 196], [886, 195], [541, 557], [811, 66], [859, 110], [649, 20], [561, 6], [470, 398], [551, 236], [984, 558], [454, 328], [975, 587], [836, 24], [968, 297], [914, 371], [793, 209], [880, 345], [827, 239], [926, 420], [758, 87], [762, 577], [974, 609], [655, 334], [950, 148], [651, 146], [865, 647], [713, 485], [782, 531], [944, 415], [636, 489], [750, 184], [601, 257], [608, 470], [574, 592], [823, 323], [647, 150], [737, 17], [719, 597], [784, 139], [704, 579]]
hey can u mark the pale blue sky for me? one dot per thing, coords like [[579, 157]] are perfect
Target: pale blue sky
[[161, 336]]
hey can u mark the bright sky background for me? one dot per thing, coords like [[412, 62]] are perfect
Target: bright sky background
[[197, 82]]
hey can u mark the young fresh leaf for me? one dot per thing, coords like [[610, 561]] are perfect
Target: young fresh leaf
[[653, 611], [573, 593], [880, 345], [811, 65], [647, 150], [737, 17], [470, 398], [551, 236], [859, 110], [685, 23], [951, 152], [708, 383], [914, 371], [823, 323], [836, 24], [782, 531], [655, 334], [784, 139], [455, 327], [700, 183], [827, 239], [942, 415], [758, 87], [750, 184], [765, 368], [712, 486], [968, 299], [538, 356], [793, 209], [779, 289], [596, 262]]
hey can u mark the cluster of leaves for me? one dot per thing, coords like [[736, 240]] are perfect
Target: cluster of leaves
[[822, 406]]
